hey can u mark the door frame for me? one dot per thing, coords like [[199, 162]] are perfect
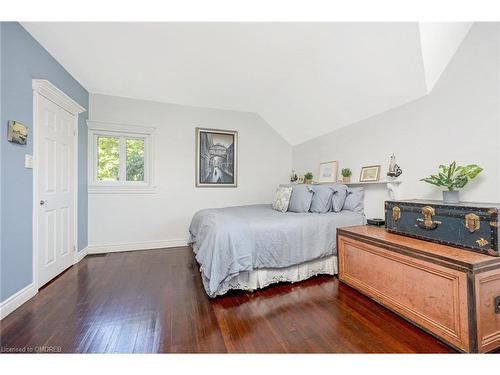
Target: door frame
[[52, 93]]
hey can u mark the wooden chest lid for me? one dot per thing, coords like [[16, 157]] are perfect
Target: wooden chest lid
[[419, 248]]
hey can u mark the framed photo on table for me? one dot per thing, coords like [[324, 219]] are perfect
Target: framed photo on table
[[370, 173], [328, 171]]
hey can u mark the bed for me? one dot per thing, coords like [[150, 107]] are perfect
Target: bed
[[250, 247]]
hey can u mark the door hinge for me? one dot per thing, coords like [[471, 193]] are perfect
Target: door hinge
[[497, 305]]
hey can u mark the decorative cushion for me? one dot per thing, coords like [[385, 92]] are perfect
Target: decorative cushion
[[322, 198], [355, 199], [301, 198], [339, 197], [282, 198]]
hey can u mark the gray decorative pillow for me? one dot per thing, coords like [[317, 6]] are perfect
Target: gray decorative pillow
[[322, 198], [339, 197], [301, 198], [282, 198], [355, 200]]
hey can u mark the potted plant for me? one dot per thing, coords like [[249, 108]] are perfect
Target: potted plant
[[346, 175], [308, 177], [453, 177]]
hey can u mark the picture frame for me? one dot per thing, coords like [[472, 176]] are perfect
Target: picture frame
[[328, 171], [17, 133], [216, 158], [370, 173]]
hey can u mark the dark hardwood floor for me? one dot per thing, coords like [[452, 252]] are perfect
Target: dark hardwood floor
[[153, 301]]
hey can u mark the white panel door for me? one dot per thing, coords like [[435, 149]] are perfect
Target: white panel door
[[56, 222]]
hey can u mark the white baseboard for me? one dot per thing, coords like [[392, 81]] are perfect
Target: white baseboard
[[17, 299], [79, 255], [134, 246]]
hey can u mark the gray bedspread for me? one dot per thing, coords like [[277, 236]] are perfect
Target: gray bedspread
[[231, 240]]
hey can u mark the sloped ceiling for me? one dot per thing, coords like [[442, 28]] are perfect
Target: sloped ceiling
[[304, 79], [439, 43]]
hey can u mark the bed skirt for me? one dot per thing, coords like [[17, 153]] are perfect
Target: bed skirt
[[261, 278]]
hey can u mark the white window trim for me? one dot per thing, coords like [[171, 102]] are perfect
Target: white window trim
[[96, 128]]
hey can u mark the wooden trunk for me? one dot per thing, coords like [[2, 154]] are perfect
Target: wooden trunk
[[450, 293]]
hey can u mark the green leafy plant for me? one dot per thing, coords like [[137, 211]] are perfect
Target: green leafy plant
[[346, 172], [452, 176], [308, 176]]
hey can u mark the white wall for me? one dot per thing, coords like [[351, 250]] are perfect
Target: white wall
[[458, 120], [119, 221]]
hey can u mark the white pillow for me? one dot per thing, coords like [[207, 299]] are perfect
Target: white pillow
[[282, 198]]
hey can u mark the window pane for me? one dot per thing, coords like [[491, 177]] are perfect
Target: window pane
[[108, 158], [135, 159]]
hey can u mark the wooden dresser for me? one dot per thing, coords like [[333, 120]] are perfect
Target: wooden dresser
[[451, 293]]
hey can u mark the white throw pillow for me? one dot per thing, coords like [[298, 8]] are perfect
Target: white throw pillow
[[282, 198]]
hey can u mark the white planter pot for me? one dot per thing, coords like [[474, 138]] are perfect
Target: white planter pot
[[451, 196]]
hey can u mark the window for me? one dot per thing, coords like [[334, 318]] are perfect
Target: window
[[108, 158], [120, 158], [135, 159]]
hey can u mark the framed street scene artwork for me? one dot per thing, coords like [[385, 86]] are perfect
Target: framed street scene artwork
[[216, 158]]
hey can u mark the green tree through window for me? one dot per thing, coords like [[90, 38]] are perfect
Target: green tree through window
[[110, 161], [135, 159], [108, 158]]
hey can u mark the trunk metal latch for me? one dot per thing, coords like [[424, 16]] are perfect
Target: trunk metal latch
[[472, 222], [396, 213], [427, 222]]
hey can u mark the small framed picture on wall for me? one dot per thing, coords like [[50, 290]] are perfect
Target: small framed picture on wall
[[370, 173], [17, 133], [328, 171]]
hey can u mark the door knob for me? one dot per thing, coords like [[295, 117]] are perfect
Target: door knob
[[43, 202]]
